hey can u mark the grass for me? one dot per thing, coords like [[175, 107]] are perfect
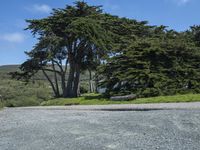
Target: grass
[[95, 99], [1, 105]]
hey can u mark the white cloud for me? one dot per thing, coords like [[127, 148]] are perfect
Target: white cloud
[[12, 37], [41, 8], [181, 2]]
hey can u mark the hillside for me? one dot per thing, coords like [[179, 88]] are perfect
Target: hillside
[[8, 68], [5, 69], [17, 93]]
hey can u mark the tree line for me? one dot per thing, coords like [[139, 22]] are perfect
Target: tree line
[[127, 56]]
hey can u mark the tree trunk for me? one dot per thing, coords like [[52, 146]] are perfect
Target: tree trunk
[[70, 81], [74, 59], [56, 79], [51, 83], [79, 90], [90, 81], [63, 85], [73, 81], [96, 83], [76, 81]]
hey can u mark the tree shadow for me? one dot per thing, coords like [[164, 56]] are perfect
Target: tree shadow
[[97, 97]]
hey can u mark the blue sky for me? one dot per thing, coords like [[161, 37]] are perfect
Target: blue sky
[[177, 14]]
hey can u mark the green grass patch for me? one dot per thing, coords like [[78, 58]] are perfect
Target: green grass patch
[[95, 99], [1, 105]]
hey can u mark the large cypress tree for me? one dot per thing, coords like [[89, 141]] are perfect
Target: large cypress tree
[[72, 35], [161, 63]]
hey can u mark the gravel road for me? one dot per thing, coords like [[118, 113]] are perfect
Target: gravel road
[[59, 129], [122, 107]]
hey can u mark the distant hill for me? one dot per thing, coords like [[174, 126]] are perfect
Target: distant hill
[[9, 68], [6, 69]]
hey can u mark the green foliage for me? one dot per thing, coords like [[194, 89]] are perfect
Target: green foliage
[[83, 89], [162, 63]]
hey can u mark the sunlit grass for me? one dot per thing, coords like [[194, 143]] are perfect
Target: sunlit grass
[[95, 99]]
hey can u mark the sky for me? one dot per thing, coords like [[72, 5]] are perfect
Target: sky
[[14, 40]]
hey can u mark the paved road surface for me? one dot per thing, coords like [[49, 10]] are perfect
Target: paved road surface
[[160, 106], [59, 129]]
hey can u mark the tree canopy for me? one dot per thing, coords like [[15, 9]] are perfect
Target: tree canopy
[[163, 63]]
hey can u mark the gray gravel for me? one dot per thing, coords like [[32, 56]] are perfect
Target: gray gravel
[[58, 129]]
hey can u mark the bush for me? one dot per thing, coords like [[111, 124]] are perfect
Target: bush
[[24, 101], [151, 92], [83, 89], [16, 93]]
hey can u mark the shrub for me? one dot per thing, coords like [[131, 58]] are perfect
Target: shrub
[[83, 89], [16, 93]]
